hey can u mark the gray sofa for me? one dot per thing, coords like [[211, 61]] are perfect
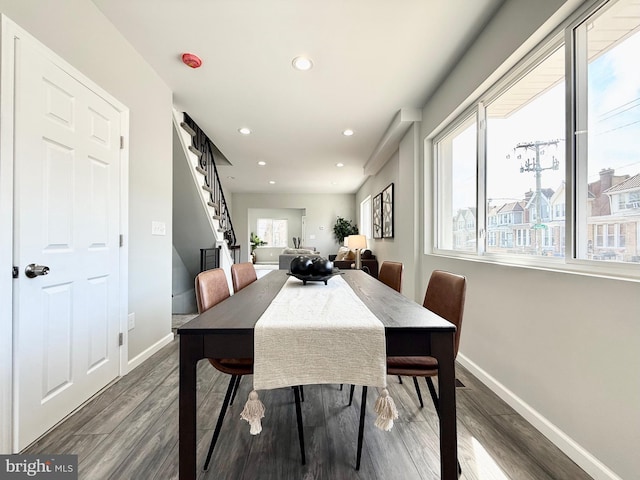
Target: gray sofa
[[288, 254]]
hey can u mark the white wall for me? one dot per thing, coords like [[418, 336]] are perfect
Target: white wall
[[183, 292], [78, 32], [402, 170], [562, 348], [321, 209]]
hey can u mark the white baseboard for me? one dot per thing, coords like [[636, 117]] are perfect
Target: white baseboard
[[571, 448], [139, 359]]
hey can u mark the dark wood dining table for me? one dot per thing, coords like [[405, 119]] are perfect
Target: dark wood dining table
[[226, 331]]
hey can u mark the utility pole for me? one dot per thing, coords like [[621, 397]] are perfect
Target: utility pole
[[533, 152]]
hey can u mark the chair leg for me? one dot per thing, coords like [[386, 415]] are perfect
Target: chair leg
[[363, 405], [399, 379], [340, 387], [223, 410], [434, 396], [353, 387], [415, 383], [235, 389], [301, 392], [296, 392]]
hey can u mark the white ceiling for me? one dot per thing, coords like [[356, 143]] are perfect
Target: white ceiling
[[371, 59]]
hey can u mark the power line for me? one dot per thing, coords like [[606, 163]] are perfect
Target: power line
[[616, 128], [620, 106]]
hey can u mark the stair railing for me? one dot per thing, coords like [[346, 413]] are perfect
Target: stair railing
[[203, 148]]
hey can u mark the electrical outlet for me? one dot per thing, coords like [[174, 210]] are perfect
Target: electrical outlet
[[131, 321]]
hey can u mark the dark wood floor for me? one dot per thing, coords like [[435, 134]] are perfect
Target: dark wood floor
[[130, 431]]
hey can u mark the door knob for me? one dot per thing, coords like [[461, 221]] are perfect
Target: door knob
[[32, 270]]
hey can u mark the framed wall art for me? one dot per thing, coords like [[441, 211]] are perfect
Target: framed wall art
[[376, 213], [387, 212]]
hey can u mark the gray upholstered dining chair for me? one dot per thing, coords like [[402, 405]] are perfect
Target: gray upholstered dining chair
[[212, 288]]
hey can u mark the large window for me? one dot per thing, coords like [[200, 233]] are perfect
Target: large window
[[273, 231], [365, 217], [457, 186], [525, 157], [542, 182], [608, 146]]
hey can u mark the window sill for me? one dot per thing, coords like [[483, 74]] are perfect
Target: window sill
[[613, 271]]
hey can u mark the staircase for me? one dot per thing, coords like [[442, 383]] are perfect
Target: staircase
[[203, 234]]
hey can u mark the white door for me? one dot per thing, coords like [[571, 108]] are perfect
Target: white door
[[66, 211]]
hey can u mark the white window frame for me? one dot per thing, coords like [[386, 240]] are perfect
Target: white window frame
[[271, 243], [366, 227], [441, 173], [575, 171]]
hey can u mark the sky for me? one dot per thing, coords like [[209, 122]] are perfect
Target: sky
[[614, 132], [614, 110]]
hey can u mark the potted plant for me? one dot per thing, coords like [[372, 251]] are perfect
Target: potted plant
[[343, 228], [255, 241]]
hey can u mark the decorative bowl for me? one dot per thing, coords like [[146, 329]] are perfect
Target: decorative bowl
[[316, 278]]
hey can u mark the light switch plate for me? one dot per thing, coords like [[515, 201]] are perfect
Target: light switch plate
[[158, 228]]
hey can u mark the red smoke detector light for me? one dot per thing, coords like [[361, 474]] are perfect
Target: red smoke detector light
[[191, 60]]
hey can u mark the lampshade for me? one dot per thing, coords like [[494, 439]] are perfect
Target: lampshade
[[355, 242]]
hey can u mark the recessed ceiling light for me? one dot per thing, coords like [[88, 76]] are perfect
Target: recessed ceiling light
[[339, 165], [348, 132], [262, 163], [230, 177], [244, 130], [272, 182], [302, 63], [334, 183]]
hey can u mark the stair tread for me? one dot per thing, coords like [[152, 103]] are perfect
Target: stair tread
[[195, 151], [188, 129]]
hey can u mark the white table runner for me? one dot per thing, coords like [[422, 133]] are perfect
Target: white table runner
[[317, 334]]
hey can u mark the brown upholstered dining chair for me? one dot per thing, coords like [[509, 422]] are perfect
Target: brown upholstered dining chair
[[211, 289], [391, 274], [242, 274], [445, 296]]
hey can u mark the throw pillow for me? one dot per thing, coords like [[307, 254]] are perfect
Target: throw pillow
[[344, 254], [297, 251]]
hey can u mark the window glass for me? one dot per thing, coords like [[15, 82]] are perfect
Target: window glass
[[456, 173], [515, 165], [273, 231], [525, 167], [608, 82], [365, 217]]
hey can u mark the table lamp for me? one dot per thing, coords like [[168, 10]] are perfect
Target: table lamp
[[357, 243]]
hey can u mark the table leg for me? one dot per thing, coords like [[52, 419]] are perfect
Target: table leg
[[442, 349], [191, 350]]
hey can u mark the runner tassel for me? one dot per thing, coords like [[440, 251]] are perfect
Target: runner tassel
[[387, 412], [253, 411]]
